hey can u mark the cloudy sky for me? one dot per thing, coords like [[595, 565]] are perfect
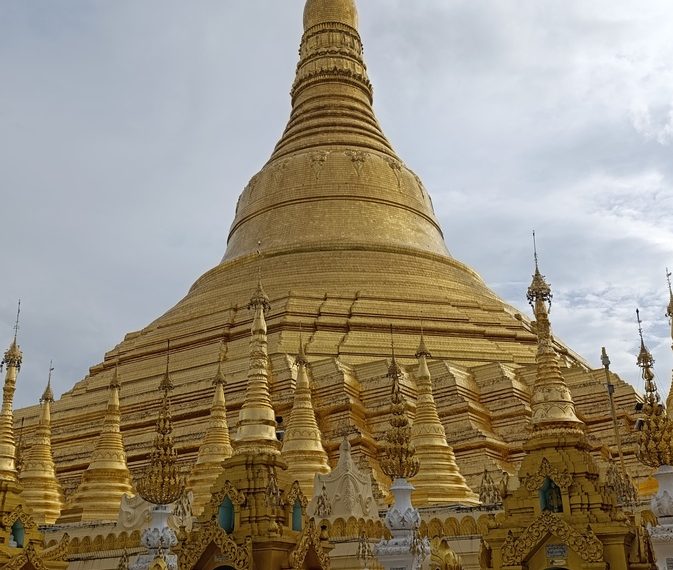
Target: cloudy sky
[[129, 127]]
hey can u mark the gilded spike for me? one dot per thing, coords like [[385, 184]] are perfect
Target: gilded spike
[[162, 483], [302, 445], [216, 446], [107, 477], [12, 359], [654, 447], [439, 480], [552, 404], [257, 420], [399, 461], [41, 489]]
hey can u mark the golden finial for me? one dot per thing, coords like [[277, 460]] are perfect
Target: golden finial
[[301, 353], [260, 298], [422, 348], [539, 292], [162, 482], [645, 360], [115, 384], [48, 394], [399, 461], [222, 356], [13, 356], [654, 447], [330, 11]]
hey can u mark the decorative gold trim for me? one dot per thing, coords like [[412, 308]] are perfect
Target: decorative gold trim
[[560, 478], [586, 545], [198, 541], [296, 494], [28, 556], [310, 537], [227, 490], [18, 514]]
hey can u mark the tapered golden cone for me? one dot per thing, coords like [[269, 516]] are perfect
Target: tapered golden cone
[[107, 477], [41, 489], [302, 444], [552, 405], [439, 480], [256, 430], [216, 447]]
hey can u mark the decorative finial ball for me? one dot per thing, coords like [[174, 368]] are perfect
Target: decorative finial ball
[[322, 11]]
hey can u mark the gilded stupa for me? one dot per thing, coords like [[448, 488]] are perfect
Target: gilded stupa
[[345, 239]]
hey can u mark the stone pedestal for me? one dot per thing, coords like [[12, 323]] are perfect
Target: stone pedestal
[[661, 535], [405, 550], [158, 539]]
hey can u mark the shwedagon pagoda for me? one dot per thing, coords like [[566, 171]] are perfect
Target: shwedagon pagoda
[[338, 391]]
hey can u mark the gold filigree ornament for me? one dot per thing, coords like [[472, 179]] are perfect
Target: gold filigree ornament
[[654, 446], [162, 482], [399, 461], [516, 550], [546, 470], [238, 557], [309, 538]]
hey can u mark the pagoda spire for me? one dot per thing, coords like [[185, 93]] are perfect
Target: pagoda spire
[[107, 477], [302, 445], [654, 447], [552, 404], [41, 489], [399, 461], [331, 95], [333, 167], [12, 359], [439, 481], [216, 446], [257, 420], [162, 483]]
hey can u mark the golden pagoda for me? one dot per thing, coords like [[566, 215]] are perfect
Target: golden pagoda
[[253, 519], [216, 445], [107, 478], [439, 480], [302, 442], [349, 243], [22, 545], [563, 514], [42, 492]]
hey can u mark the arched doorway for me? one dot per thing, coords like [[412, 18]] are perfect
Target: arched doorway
[[225, 568]]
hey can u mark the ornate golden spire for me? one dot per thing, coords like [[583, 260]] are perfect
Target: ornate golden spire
[[257, 420], [12, 360], [439, 480], [399, 461], [162, 483], [331, 78], [216, 446], [655, 435], [552, 404], [302, 445], [107, 477], [334, 158], [41, 490]]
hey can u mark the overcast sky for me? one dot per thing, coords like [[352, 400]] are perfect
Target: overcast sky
[[129, 127]]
